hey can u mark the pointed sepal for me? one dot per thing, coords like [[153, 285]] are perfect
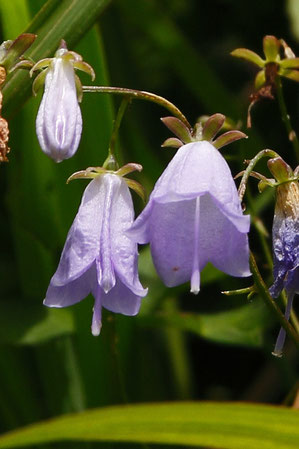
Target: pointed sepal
[[40, 65], [264, 183], [281, 171], [291, 74], [129, 168], [89, 173], [39, 82], [173, 142], [212, 126], [85, 67], [228, 137], [271, 46], [260, 79], [178, 128], [248, 55], [79, 89], [137, 187], [290, 63]]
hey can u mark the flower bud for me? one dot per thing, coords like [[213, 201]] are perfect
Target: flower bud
[[59, 120]]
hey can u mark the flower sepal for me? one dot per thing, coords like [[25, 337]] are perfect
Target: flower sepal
[[204, 130], [178, 128], [281, 171], [172, 142], [94, 172], [280, 60], [228, 137], [67, 56]]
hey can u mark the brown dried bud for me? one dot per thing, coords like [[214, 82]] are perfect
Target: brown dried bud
[[4, 130], [287, 199], [2, 76]]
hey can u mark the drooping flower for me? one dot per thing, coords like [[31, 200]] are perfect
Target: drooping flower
[[285, 235], [194, 217], [98, 257], [59, 120]]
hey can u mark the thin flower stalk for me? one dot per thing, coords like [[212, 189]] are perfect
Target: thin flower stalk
[[140, 95]]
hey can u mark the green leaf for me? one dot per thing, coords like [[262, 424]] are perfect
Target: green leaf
[[214, 425], [28, 324], [242, 326], [13, 16]]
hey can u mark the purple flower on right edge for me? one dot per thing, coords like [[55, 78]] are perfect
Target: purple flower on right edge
[[193, 217], [285, 234]]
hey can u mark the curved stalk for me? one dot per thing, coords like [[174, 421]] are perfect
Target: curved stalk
[[140, 95], [249, 169]]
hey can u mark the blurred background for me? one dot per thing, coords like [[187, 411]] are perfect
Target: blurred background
[[180, 346]]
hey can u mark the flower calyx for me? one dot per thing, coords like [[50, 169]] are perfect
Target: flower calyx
[[205, 129], [67, 57], [11, 52], [281, 171], [94, 172], [273, 65], [279, 61]]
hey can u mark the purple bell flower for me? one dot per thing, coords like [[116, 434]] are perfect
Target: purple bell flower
[[98, 257], [285, 234], [193, 217]]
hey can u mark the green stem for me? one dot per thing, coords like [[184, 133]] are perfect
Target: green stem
[[111, 161], [249, 169], [286, 118], [117, 122], [140, 95], [264, 293]]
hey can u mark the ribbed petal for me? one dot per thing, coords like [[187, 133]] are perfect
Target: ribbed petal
[[82, 245], [285, 236], [121, 299], [221, 242], [71, 293], [172, 240], [59, 120], [106, 276], [124, 250]]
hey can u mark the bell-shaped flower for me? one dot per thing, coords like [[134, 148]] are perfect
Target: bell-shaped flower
[[285, 235], [193, 217], [98, 257], [59, 120]]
